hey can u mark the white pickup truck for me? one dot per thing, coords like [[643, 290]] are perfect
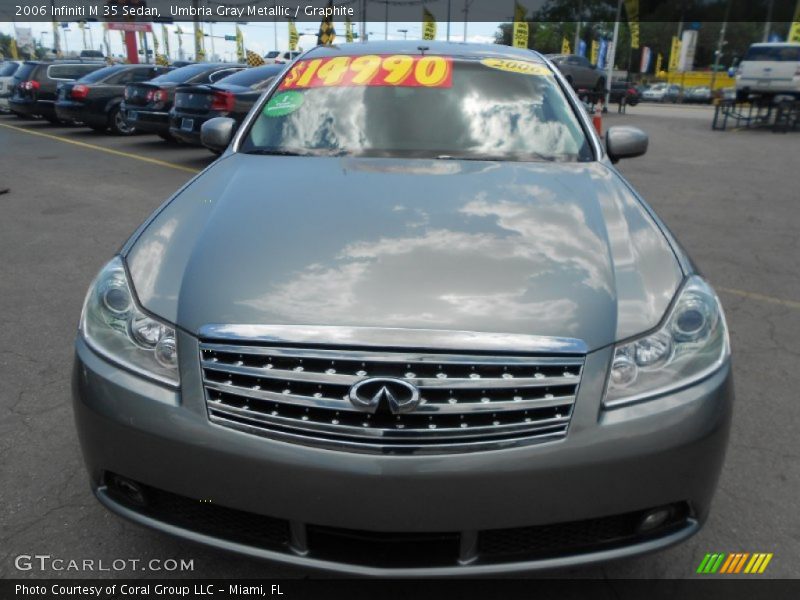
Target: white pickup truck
[[769, 70]]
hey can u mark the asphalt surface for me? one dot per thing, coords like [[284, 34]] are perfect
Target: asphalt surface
[[731, 198]]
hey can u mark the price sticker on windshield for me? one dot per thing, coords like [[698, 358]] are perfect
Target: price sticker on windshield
[[401, 70]]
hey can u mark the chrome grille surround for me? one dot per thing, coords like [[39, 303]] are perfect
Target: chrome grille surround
[[292, 384]]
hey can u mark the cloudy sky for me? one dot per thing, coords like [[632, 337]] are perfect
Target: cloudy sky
[[259, 37]]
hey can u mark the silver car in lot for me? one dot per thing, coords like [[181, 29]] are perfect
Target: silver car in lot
[[413, 322]]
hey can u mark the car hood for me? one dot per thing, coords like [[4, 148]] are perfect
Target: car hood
[[551, 249]]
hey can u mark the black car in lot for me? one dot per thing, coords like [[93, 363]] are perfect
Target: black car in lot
[[230, 97], [36, 83], [146, 106], [626, 90], [95, 99]]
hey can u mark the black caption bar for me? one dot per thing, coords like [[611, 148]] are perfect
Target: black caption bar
[[285, 589], [686, 11]]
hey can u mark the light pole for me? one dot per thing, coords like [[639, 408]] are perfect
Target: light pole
[[404, 32]]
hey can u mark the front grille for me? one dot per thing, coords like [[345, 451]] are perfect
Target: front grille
[[468, 401]]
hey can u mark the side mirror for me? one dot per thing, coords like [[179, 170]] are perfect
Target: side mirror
[[217, 133], [624, 141]]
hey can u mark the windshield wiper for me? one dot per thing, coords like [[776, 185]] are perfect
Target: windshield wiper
[[288, 152], [275, 152], [498, 158]]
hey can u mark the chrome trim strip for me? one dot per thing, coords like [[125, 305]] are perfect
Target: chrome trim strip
[[394, 357], [345, 405], [383, 435], [388, 337], [456, 383], [366, 447]]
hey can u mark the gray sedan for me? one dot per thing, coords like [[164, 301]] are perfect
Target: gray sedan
[[412, 322]]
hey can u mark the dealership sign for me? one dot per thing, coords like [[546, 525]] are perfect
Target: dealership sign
[[146, 27]]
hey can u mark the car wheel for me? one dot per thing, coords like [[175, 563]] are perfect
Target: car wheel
[[168, 137], [117, 123], [55, 120], [742, 95]]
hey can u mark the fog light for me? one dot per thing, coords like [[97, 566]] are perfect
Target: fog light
[[654, 519], [131, 490]]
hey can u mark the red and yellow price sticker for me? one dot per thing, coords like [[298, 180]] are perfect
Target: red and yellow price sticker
[[371, 70]]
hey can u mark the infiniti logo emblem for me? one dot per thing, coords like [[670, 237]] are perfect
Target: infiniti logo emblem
[[395, 394]]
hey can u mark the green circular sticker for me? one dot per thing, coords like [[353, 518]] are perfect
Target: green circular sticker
[[283, 104]]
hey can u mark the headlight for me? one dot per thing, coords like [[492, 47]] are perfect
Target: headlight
[[114, 326], [691, 344]]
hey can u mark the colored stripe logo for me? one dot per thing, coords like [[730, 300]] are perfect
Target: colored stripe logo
[[734, 563]]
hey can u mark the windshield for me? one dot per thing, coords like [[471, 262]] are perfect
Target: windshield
[[101, 74], [183, 74], [252, 77], [272, 54], [420, 107], [773, 53], [8, 69]]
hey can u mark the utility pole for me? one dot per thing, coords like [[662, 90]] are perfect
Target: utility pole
[[720, 44], [448, 20], [363, 21], [386, 21], [767, 23], [578, 27], [611, 53]]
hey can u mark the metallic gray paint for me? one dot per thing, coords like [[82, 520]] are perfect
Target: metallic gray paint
[[534, 248]]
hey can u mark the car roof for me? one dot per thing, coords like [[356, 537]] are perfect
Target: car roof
[[775, 44], [459, 49]]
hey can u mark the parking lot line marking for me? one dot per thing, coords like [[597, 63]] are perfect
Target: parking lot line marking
[[146, 159], [761, 297]]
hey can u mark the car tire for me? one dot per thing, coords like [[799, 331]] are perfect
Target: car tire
[[117, 123], [168, 137], [742, 95], [54, 120]]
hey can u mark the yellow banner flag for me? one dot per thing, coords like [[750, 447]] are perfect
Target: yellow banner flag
[[794, 30], [565, 49], [165, 36], [240, 55], [253, 59], [13, 48], [428, 25], [659, 60], [632, 8], [199, 49], [348, 30], [294, 37], [674, 54], [520, 31], [595, 51]]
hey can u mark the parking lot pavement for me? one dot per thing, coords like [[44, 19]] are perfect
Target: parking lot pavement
[[730, 197]]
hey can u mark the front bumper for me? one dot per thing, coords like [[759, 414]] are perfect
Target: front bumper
[[660, 452]]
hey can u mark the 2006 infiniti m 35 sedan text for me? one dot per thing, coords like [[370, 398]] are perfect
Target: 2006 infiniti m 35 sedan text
[[412, 322]]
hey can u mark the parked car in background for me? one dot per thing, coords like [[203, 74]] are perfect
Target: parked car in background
[[624, 89], [146, 105], [579, 72], [231, 97], [92, 54], [95, 99], [769, 70], [662, 92], [36, 83], [699, 94], [7, 70], [277, 57]]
